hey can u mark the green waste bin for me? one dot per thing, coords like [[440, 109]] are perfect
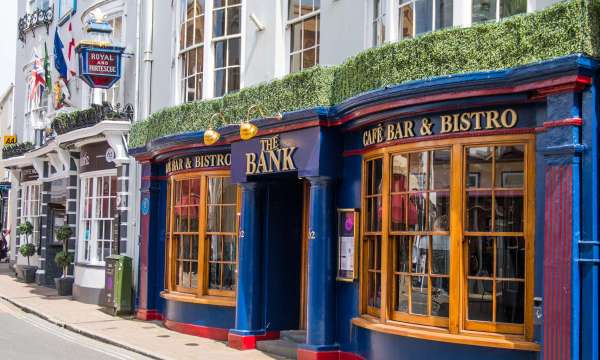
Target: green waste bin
[[118, 284]]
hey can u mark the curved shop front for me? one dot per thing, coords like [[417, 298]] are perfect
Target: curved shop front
[[189, 200], [436, 218]]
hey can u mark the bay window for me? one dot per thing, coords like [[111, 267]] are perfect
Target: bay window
[[448, 235], [304, 24], [202, 235], [97, 201]]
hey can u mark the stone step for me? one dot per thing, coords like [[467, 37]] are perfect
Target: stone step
[[297, 336], [281, 348]]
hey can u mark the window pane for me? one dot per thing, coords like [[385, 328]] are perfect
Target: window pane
[[510, 257], [509, 211], [419, 295], [229, 191], [215, 246], [218, 22], [233, 79], [229, 248], [228, 276], [199, 33], [399, 173], [403, 291], [483, 10], [234, 46], [509, 301], [309, 31], [403, 256], [481, 256], [296, 37], [439, 211], [443, 14], [509, 166], [440, 253], [398, 218], [199, 7], [420, 253], [406, 22], [479, 165], [220, 82], [423, 16], [218, 3], [416, 211], [293, 9], [228, 218], [440, 296], [295, 62], [189, 33], [214, 276], [308, 58], [479, 211], [418, 171], [194, 274], [220, 54], [233, 20], [439, 172], [374, 290], [512, 7], [480, 300], [306, 6], [213, 219]]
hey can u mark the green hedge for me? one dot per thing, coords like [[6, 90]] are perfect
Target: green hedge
[[565, 28]]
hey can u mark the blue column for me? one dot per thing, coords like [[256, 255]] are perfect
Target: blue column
[[248, 312], [321, 267]]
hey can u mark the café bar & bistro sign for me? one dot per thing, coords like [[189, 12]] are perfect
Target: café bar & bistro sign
[[206, 161], [458, 122]]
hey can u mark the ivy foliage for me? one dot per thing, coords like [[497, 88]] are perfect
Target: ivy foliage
[[566, 28]]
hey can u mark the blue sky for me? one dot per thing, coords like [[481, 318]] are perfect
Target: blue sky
[[8, 42]]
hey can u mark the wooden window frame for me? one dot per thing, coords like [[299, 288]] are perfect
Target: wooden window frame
[[458, 329], [202, 293]]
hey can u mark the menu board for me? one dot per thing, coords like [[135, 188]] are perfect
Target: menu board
[[347, 244]]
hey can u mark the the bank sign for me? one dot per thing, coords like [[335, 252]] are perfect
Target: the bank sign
[[100, 67]]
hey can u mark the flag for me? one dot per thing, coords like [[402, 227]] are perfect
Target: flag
[[38, 78], [71, 54], [47, 76], [59, 58]]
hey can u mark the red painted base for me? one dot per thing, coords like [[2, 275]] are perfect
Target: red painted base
[[248, 342], [304, 354], [197, 330], [148, 315]]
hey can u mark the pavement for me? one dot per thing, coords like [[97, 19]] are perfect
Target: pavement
[[149, 339]]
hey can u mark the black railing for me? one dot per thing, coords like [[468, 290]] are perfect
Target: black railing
[[38, 17], [13, 150], [67, 122]]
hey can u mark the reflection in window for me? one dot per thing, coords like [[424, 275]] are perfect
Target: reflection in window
[[496, 258], [303, 17], [416, 17], [215, 235], [378, 22], [227, 45], [191, 42], [485, 10]]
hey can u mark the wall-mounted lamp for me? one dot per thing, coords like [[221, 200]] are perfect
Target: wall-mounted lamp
[[212, 136]]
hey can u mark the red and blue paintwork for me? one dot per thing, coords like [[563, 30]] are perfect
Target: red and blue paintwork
[[561, 102]]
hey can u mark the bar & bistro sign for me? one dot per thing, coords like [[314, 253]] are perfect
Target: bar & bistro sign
[[198, 162], [444, 124]]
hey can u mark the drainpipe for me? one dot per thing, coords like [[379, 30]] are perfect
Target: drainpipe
[[148, 40]]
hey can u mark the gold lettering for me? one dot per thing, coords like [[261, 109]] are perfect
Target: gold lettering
[[262, 164], [379, 134], [250, 163], [227, 160], [478, 116], [408, 129], [197, 161], [188, 163], [455, 118], [180, 165], [513, 118], [168, 167], [366, 140], [492, 118], [288, 162], [391, 132], [446, 123], [465, 121], [274, 160]]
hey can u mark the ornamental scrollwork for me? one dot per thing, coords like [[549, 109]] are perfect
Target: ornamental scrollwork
[[29, 22]]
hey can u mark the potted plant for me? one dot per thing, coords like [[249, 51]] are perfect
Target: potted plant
[[64, 284], [27, 250]]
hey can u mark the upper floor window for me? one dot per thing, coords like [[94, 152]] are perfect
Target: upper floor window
[[417, 17], [378, 22], [227, 37], [304, 23], [191, 44], [448, 235], [484, 10]]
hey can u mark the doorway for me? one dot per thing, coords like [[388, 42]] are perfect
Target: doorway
[[284, 253]]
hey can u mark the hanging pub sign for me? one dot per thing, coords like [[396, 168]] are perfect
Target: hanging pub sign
[[99, 58], [100, 67], [347, 244]]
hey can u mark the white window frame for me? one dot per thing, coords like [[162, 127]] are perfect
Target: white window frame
[[29, 211], [208, 67], [399, 4], [92, 244], [288, 25]]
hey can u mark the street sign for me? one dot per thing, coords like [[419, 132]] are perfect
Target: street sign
[[10, 139]]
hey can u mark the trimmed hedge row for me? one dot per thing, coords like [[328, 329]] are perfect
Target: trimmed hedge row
[[563, 29]]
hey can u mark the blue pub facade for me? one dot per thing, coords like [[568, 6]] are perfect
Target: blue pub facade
[[449, 218]]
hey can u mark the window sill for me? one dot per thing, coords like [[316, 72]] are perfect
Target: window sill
[[435, 334], [206, 300]]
